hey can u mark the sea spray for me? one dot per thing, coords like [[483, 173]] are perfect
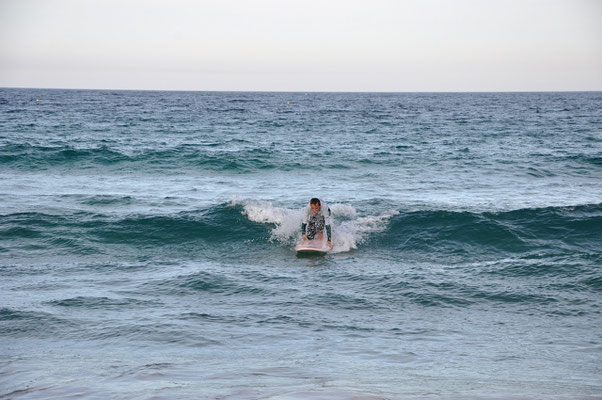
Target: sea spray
[[353, 232], [349, 230]]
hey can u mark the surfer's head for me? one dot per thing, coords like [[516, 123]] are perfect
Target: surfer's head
[[315, 205]]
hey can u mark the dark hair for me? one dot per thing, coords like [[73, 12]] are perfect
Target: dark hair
[[315, 200]]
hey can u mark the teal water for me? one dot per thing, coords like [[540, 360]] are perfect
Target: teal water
[[147, 245]]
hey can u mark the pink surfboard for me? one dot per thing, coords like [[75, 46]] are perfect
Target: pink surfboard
[[314, 246]]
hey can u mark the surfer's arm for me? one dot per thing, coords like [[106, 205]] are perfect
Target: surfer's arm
[[327, 219], [304, 221]]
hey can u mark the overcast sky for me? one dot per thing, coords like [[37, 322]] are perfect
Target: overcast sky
[[302, 45]]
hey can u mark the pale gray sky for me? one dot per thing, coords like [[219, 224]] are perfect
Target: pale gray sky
[[302, 45]]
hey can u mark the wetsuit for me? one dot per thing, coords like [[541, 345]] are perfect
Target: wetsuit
[[314, 223]]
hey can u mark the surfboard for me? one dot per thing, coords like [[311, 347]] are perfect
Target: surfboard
[[312, 247]]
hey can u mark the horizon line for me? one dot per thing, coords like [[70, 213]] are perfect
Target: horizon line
[[304, 91]]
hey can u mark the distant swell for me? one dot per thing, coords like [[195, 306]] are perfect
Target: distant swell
[[29, 157]]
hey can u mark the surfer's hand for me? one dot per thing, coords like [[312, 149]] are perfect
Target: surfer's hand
[[329, 244], [305, 238]]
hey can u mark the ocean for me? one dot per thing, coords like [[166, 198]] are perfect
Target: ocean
[[147, 245]]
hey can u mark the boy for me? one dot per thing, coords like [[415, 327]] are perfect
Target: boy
[[315, 219]]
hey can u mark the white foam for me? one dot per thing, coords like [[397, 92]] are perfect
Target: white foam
[[349, 230], [342, 210], [351, 233]]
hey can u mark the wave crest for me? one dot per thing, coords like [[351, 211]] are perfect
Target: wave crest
[[430, 233]]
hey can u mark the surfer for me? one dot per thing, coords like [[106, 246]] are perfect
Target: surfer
[[315, 220]]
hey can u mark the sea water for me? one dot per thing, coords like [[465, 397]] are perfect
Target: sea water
[[147, 245]]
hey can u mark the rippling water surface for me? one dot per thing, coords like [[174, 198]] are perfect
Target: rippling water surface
[[147, 245]]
